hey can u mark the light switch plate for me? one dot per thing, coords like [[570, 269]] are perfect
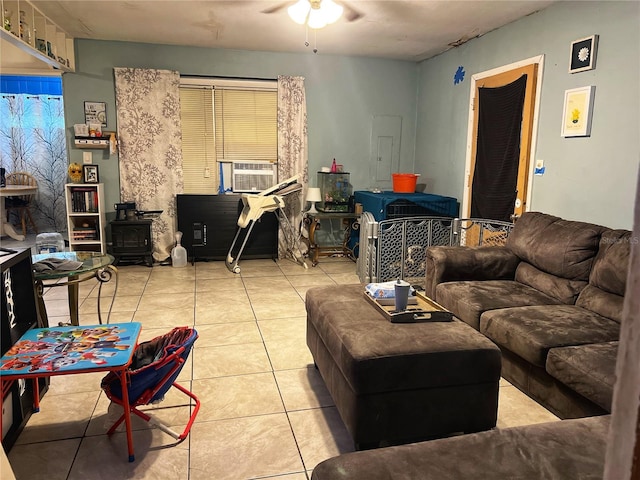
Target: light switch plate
[[87, 157]]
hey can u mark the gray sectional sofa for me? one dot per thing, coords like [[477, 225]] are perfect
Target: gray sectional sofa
[[551, 299]]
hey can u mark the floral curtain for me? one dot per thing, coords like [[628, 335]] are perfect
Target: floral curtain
[[292, 152], [148, 112]]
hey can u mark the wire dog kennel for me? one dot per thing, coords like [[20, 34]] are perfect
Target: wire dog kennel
[[395, 248]]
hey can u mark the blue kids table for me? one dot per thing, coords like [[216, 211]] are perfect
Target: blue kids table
[[47, 352]]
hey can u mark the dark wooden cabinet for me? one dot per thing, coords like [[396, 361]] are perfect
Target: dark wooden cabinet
[[209, 223], [18, 314]]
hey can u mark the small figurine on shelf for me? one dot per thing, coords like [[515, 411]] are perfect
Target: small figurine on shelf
[[334, 166]]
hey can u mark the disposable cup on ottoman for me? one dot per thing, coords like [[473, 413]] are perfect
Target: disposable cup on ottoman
[[402, 294]]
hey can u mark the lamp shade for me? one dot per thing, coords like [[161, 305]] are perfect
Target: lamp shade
[[313, 194]]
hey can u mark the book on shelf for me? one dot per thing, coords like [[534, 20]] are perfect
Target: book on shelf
[[84, 200]]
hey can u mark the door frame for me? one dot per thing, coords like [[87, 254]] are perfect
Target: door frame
[[466, 200]]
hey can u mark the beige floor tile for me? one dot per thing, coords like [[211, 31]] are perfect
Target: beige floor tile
[[237, 396], [248, 271], [219, 284], [274, 295], [224, 314], [165, 319], [106, 458], [169, 300], [57, 307], [515, 409], [211, 362], [222, 300], [266, 284], [60, 417], [216, 335], [337, 267], [242, 448], [279, 309], [303, 389], [27, 461], [345, 278], [309, 280], [288, 354], [275, 330], [67, 384], [320, 434]]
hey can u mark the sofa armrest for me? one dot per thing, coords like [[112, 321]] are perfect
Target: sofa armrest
[[447, 264]]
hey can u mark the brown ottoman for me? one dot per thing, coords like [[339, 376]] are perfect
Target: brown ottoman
[[396, 383]]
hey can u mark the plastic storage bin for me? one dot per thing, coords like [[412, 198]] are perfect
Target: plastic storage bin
[[51, 242], [404, 182]]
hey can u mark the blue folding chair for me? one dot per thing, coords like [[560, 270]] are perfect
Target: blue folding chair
[[152, 372]]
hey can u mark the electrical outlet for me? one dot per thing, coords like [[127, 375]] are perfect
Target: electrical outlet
[[207, 172], [87, 157]]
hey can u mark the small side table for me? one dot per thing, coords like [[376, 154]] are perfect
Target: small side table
[[94, 265], [329, 246]]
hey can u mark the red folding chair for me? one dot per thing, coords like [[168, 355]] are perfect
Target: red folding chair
[[153, 371]]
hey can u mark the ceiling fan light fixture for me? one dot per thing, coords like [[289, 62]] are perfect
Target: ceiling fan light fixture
[[316, 19], [331, 10], [315, 13], [299, 11]]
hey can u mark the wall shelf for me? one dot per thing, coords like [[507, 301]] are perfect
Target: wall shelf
[[31, 42], [91, 142]]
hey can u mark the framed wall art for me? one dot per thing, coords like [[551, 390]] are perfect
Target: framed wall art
[[95, 112], [583, 54], [577, 112], [90, 173]]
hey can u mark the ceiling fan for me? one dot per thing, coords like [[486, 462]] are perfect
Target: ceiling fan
[[351, 14]]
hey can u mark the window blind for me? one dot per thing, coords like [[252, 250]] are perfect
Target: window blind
[[246, 124], [199, 165]]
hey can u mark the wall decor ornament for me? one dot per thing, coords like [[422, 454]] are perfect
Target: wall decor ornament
[[75, 172], [95, 112], [577, 112], [583, 54], [90, 173]]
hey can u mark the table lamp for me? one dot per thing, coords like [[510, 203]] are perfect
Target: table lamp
[[313, 196]]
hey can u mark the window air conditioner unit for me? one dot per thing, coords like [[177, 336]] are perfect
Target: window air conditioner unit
[[254, 176]]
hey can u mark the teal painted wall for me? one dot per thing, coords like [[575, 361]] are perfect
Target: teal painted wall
[[591, 179], [343, 94]]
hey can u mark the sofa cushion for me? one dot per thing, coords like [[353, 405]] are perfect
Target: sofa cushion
[[589, 370], [560, 247], [608, 279], [562, 289], [467, 300], [570, 449], [376, 355], [531, 331]]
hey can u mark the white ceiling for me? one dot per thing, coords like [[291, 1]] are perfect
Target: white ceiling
[[401, 29]]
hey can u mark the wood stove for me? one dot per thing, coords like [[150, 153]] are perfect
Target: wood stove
[[132, 241]]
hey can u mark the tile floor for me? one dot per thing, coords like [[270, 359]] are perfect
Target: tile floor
[[265, 411]]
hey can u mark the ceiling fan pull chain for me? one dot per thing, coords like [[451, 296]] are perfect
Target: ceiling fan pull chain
[[306, 35], [315, 41]]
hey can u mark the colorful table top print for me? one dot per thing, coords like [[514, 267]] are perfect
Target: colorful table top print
[[56, 350]]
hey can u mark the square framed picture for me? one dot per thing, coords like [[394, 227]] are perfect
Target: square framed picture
[[583, 54], [90, 173], [577, 112], [96, 113]]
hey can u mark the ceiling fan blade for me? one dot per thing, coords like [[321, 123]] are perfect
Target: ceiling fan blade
[[276, 8], [350, 13]]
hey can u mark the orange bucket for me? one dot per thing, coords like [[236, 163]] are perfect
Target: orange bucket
[[404, 182]]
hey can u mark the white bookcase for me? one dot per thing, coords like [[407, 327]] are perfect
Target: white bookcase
[[86, 216]]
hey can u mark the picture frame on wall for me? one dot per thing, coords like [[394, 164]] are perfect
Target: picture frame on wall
[[583, 54], [90, 173], [577, 112], [96, 113]]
